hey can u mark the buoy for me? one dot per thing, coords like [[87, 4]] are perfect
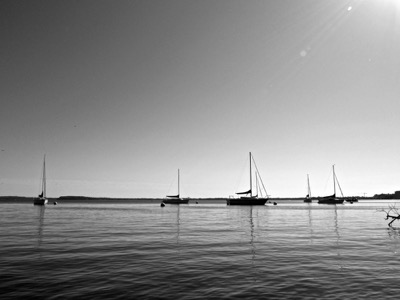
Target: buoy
[[275, 203], [197, 202], [162, 204], [55, 203]]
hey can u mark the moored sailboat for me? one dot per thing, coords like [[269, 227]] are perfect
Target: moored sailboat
[[41, 199], [332, 199], [308, 197], [249, 199], [176, 199]]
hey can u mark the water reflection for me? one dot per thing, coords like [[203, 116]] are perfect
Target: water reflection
[[394, 232], [252, 244], [253, 248], [337, 232], [178, 221], [40, 217], [336, 224], [310, 222], [394, 236]]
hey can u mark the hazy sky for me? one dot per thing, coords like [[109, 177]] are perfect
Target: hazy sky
[[120, 94]]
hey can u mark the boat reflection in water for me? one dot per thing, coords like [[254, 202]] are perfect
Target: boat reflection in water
[[41, 210]]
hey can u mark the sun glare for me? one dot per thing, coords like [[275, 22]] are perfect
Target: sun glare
[[396, 4], [393, 7], [392, 4], [389, 10]]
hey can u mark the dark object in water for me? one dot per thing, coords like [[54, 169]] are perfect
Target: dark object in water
[[41, 199], [275, 203], [247, 201], [250, 199], [351, 199], [332, 199], [394, 217], [162, 204], [308, 197], [55, 202], [176, 199]]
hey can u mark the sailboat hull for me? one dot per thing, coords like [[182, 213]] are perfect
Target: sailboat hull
[[330, 201], [176, 201], [246, 201], [40, 201]]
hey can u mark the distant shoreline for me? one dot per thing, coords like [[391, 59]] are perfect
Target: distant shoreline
[[71, 199]]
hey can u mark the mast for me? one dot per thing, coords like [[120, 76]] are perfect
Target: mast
[[334, 180], [308, 185], [44, 177], [251, 186], [178, 185]]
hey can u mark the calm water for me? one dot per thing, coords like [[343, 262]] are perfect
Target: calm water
[[198, 251]]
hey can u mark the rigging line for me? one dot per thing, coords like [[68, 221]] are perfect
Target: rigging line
[[258, 189], [337, 181], [262, 183], [261, 190]]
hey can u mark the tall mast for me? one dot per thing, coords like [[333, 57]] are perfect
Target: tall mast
[[334, 180], [44, 177], [308, 185], [178, 185], [251, 186]]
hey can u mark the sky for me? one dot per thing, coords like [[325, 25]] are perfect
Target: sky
[[120, 94]]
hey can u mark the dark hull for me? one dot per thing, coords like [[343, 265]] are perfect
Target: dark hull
[[176, 201], [331, 201], [246, 201], [39, 201], [351, 200]]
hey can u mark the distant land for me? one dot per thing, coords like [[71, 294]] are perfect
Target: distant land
[[8, 199]]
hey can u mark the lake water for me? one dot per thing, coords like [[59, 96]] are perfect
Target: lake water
[[198, 251]]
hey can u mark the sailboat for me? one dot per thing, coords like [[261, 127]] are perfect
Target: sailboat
[[332, 199], [249, 199], [41, 199], [308, 197], [176, 199]]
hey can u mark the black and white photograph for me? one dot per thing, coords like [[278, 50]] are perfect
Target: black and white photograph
[[199, 149]]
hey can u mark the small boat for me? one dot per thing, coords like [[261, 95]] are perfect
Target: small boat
[[351, 199], [41, 199], [308, 197], [176, 199], [249, 199], [332, 199]]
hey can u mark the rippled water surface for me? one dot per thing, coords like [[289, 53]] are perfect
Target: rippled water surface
[[198, 251]]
